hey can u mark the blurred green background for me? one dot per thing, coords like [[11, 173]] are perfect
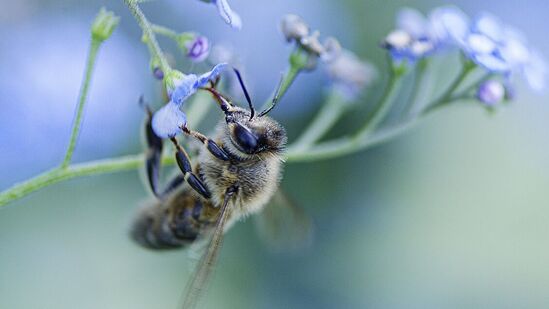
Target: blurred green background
[[452, 214]]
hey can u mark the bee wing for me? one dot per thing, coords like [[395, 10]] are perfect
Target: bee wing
[[284, 226], [206, 264]]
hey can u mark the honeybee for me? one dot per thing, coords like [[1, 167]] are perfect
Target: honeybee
[[236, 174]]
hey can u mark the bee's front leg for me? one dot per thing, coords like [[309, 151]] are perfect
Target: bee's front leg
[[212, 146], [182, 159]]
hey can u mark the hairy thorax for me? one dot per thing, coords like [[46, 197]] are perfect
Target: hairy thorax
[[256, 176]]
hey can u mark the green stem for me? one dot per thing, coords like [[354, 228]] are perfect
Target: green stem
[[348, 145], [125, 163], [165, 31], [445, 98], [329, 114], [417, 87], [83, 96], [287, 79], [361, 140], [149, 34], [383, 107]]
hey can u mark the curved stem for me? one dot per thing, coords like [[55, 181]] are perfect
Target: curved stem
[[348, 145], [419, 79], [165, 31], [445, 98], [83, 96], [125, 163], [149, 34], [329, 114], [383, 107]]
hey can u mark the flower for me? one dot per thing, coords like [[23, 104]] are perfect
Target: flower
[[350, 75], [296, 30], [226, 13], [491, 92], [414, 37], [449, 24], [195, 46], [489, 43], [168, 121]]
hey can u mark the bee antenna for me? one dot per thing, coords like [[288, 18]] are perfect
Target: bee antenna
[[252, 109], [275, 98]]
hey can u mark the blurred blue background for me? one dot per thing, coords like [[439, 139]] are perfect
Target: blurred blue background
[[452, 214]]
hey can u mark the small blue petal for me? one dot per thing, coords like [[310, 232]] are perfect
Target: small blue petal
[[412, 22], [490, 26], [184, 88], [449, 24], [228, 14], [205, 78], [480, 44], [491, 62], [536, 72], [514, 48], [168, 120]]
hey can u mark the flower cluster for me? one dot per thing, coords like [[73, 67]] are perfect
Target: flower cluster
[[169, 120], [348, 73], [498, 48]]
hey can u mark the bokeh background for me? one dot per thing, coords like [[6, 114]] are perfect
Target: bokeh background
[[452, 214]]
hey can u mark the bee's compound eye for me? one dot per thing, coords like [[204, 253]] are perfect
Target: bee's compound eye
[[245, 139]]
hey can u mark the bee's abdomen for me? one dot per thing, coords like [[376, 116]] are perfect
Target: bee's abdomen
[[172, 224]]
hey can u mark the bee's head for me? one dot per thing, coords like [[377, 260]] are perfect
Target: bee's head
[[248, 132], [254, 135]]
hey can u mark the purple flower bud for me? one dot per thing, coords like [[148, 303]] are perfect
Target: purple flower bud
[[158, 73], [491, 92], [198, 48]]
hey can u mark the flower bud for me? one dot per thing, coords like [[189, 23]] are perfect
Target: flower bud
[[155, 68], [196, 47], [491, 92], [294, 27], [104, 25]]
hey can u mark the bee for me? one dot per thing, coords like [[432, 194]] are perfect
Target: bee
[[236, 173]]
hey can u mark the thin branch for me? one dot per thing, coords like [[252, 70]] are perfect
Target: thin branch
[[83, 96]]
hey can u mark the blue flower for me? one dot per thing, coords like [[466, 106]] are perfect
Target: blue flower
[[228, 15], [168, 120], [449, 25], [535, 71], [414, 37], [489, 43]]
